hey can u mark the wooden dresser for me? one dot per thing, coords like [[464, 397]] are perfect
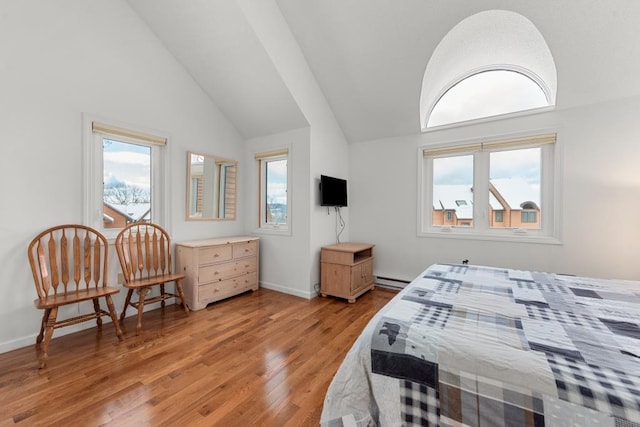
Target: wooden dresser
[[346, 270], [217, 268]]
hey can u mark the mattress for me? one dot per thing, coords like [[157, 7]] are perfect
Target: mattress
[[484, 346]]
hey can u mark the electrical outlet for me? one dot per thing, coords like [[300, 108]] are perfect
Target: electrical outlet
[[120, 278]]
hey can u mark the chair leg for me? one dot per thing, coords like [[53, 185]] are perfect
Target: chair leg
[[127, 301], [162, 293], [51, 321], [96, 308], [143, 292], [181, 294], [43, 325], [114, 316]]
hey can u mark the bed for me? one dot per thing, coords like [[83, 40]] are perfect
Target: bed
[[483, 346]]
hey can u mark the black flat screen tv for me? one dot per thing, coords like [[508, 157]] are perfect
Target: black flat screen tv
[[333, 191]]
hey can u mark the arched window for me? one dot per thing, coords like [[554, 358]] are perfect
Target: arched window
[[487, 94], [492, 63]]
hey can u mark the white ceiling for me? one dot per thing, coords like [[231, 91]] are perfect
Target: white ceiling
[[215, 43], [369, 56]]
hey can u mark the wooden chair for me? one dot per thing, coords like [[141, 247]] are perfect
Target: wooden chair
[[144, 251], [70, 265]]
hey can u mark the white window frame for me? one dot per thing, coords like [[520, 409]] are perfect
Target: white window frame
[[524, 72], [283, 153], [550, 190], [95, 129]]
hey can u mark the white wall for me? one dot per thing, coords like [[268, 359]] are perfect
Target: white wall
[[328, 148], [284, 265], [57, 61], [600, 186], [329, 156]]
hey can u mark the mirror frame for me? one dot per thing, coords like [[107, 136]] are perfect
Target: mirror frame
[[218, 161]]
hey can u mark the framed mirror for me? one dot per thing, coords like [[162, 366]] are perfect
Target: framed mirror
[[211, 187]]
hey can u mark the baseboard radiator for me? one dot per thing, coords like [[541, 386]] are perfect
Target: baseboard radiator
[[389, 282]]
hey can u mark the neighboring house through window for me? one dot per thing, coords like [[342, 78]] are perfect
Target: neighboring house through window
[[492, 188]]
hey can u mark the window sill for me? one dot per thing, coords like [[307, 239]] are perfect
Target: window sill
[[280, 231], [489, 119]]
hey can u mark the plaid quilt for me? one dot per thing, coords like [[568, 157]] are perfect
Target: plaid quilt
[[483, 346]]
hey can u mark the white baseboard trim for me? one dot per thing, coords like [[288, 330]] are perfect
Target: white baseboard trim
[[285, 290], [389, 282], [30, 339], [17, 343]]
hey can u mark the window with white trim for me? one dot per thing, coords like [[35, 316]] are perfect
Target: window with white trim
[[500, 188], [488, 93], [274, 201], [124, 177]]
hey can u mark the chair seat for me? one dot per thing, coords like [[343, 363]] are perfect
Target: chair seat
[[151, 281], [56, 300]]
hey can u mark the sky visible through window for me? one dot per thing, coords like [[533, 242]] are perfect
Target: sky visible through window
[[487, 94], [524, 164], [277, 181], [458, 170], [276, 192], [127, 164]]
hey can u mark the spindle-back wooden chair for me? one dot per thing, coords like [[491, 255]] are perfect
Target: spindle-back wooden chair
[[70, 265], [144, 251]]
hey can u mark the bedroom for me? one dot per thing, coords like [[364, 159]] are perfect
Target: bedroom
[[101, 58]]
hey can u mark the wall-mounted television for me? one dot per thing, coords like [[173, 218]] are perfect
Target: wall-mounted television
[[333, 191]]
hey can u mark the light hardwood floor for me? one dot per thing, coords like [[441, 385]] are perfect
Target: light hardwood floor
[[261, 358]]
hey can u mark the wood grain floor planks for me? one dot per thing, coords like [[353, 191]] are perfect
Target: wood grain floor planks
[[261, 358]]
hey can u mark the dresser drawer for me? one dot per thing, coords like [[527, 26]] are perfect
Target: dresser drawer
[[248, 281], [226, 288], [245, 249], [214, 254], [226, 270]]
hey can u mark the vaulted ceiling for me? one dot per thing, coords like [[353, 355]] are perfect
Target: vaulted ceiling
[[369, 56]]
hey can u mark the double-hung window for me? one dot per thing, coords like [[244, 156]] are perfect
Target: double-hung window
[[124, 177], [495, 189], [274, 190]]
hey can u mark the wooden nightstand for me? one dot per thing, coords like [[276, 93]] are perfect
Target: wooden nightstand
[[346, 270]]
